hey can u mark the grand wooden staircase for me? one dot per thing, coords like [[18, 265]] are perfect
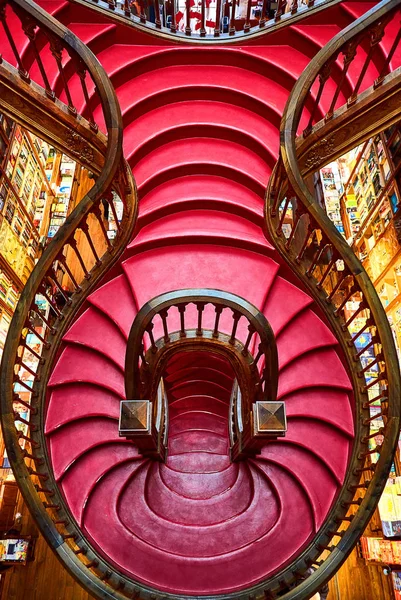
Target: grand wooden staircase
[[217, 297]]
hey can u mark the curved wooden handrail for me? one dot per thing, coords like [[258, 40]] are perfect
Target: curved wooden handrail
[[55, 277], [333, 275], [146, 357], [236, 30], [257, 323]]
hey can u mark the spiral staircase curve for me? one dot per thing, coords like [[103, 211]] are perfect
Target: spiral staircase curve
[[201, 135]]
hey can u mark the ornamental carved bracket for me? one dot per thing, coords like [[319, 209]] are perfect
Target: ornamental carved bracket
[[322, 150], [79, 147]]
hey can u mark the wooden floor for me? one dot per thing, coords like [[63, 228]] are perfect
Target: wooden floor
[[46, 579]]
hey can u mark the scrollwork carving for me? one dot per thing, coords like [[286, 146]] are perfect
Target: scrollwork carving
[[319, 152], [79, 147]]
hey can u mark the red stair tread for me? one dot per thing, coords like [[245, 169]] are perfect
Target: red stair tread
[[197, 224], [82, 476], [198, 115], [115, 298], [332, 406], [165, 502], [79, 400], [195, 541], [67, 444], [78, 364], [200, 266], [192, 151], [314, 370], [316, 479], [95, 330], [201, 189], [304, 333]]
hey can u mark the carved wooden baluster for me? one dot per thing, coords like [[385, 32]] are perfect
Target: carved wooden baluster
[[158, 23], [298, 214], [339, 283], [349, 53], [145, 363], [82, 77], [30, 327], [283, 214], [200, 308], [352, 291], [163, 315], [29, 27], [3, 19], [149, 330], [188, 17], [20, 419], [52, 277], [72, 242], [231, 30], [142, 15], [294, 7], [127, 9], [329, 267], [109, 198], [265, 13], [251, 330], [112, 4], [247, 24], [30, 350], [310, 232], [28, 439], [316, 260], [181, 310], [236, 318], [376, 35], [63, 262], [382, 397], [389, 58], [375, 381], [310, 3], [37, 474], [379, 358], [280, 9], [54, 307], [173, 26], [202, 30], [259, 354], [218, 310], [30, 456], [218, 19], [35, 309], [56, 48], [323, 77], [362, 306], [84, 227], [28, 406], [99, 216]]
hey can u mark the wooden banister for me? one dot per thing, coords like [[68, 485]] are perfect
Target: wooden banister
[[332, 274]]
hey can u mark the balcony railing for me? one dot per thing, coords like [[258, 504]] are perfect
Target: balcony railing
[[215, 321], [208, 20]]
